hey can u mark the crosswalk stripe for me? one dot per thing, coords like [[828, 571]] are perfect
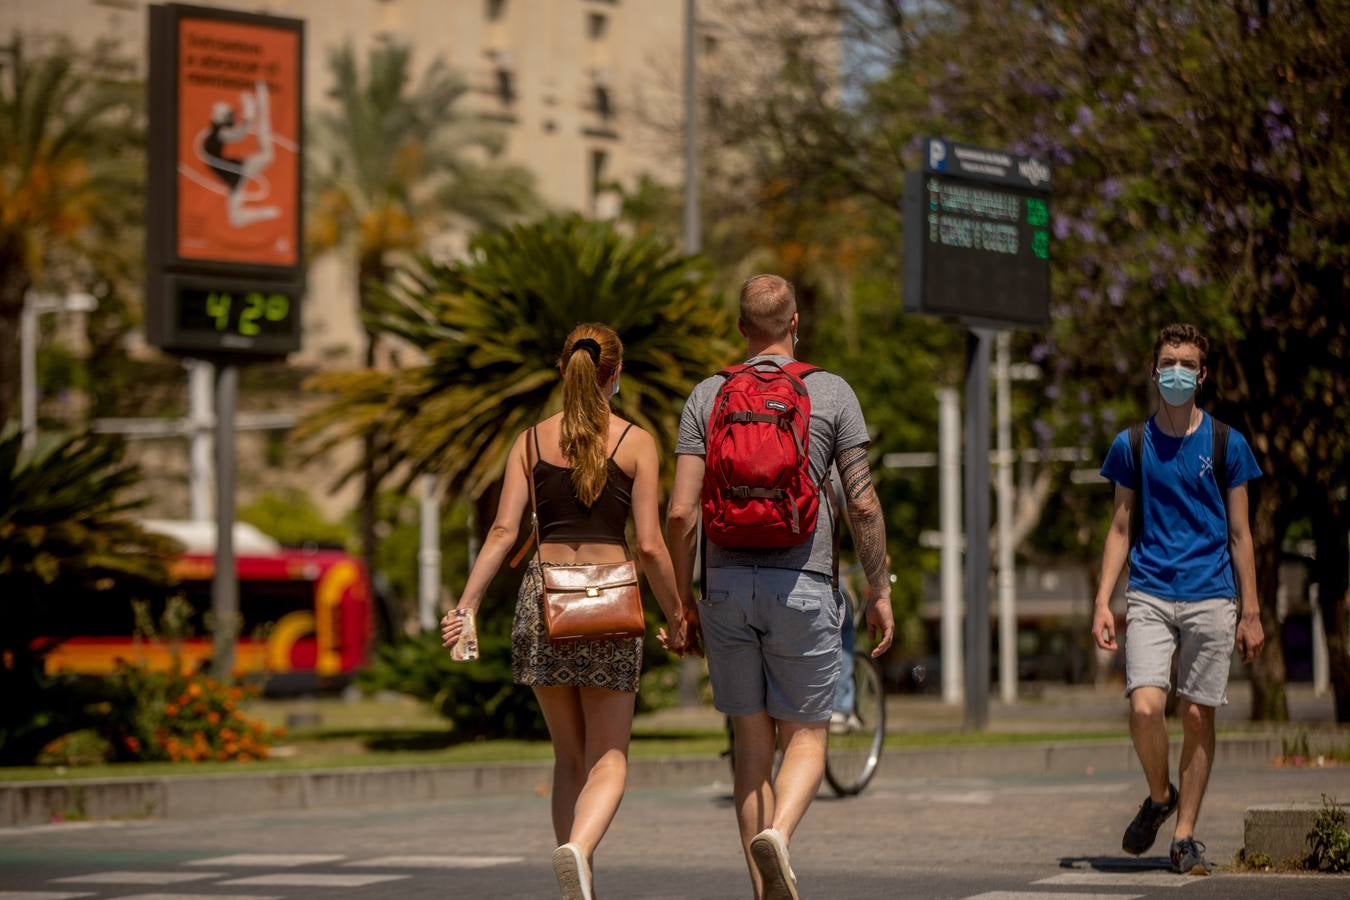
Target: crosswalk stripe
[[1050, 895], [268, 860], [435, 862], [200, 897], [127, 877], [39, 895], [307, 879], [1119, 879]]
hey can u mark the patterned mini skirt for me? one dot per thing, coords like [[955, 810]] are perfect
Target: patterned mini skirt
[[613, 663]]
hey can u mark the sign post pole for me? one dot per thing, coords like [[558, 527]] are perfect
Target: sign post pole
[[978, 345], [225, 579]]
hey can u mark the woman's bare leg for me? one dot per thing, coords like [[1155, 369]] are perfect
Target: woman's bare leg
[[608, 717], [567, 729]]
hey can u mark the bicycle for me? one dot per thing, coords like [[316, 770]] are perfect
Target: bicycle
[[853, 752]]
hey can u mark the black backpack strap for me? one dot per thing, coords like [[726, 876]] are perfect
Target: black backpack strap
[[1137, 454]]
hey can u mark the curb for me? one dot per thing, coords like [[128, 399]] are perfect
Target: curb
[[196, 796], [1280, 830]]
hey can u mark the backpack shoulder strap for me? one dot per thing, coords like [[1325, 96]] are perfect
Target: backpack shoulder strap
[[1137, 454], [1219, 433], [801, 369]]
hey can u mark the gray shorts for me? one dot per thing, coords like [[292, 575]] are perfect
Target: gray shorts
[[772, 640], [1205, 631]]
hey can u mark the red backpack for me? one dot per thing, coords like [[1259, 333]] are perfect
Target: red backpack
[[758, 492]]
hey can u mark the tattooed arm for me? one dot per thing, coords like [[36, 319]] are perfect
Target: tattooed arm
[[869, 537]]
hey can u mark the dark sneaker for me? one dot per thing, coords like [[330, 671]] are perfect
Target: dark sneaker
[[1143, 831], [1188, 857]]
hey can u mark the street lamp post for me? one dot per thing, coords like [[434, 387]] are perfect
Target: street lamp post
[[34, 305]]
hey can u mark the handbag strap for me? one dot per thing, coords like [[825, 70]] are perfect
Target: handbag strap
[[531, 443]]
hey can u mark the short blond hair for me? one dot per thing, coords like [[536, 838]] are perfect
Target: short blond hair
[[768, 304]]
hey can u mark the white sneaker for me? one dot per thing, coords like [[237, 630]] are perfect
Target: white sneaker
[[574, 875], [770, 853], [838, 723]]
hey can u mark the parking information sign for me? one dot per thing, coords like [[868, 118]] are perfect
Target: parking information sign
[[977, 236]]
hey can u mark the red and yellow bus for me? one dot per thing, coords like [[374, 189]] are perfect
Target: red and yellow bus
[[306, 620]]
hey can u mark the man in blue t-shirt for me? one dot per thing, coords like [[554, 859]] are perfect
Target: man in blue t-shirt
[[1191, 566]]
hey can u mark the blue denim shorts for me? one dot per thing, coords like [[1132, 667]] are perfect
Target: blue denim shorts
[[772, 640]]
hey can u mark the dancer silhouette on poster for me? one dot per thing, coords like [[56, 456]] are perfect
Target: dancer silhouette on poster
[[239, 174]]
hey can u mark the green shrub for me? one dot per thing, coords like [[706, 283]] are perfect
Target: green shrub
[[1329, 841], [477, 697]]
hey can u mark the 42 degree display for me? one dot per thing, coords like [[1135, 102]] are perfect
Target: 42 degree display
[[240, 317]]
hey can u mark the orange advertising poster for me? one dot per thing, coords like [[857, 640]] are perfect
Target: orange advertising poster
[[238, 143]]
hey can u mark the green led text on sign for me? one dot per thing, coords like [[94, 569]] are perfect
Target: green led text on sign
[[271, 307], [1038, 212]]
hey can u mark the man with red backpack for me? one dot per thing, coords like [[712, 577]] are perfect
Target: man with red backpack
[[756, 445]]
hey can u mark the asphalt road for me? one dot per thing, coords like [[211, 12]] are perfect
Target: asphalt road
[[1014, 838]]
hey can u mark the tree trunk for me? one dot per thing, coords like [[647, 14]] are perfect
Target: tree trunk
[[1331, 572], [1269, 702], [14, 284], [367, 275]]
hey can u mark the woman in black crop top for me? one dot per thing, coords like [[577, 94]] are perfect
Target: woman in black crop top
[[592, 473]]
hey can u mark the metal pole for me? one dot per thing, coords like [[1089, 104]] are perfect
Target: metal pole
[[1007, 582], [949, 500], [225, 582], [200, 422], [429, 555], [977, 527], [1321, 657], [28, 373], [693, 239]]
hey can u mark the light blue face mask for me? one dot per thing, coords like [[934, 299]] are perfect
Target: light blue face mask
[[1177, 384], [615, 392]]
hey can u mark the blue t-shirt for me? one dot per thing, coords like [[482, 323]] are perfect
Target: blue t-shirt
[[1182, 552]]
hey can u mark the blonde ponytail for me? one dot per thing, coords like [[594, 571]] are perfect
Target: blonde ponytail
[[585, 420]]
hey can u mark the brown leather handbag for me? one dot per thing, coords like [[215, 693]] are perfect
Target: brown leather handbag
[[586, 603]]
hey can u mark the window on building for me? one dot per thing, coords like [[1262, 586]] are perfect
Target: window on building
[[506, 86], [599, 163], [495, 9], [596, 25], [603, 105]]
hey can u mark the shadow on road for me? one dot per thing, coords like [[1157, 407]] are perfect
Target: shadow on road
[[1120, 864]]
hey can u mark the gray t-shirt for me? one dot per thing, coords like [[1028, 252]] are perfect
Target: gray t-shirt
[[836, 425]]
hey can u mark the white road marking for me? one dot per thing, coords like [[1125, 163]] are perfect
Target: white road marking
[[260, 860], [1048, 895], [39, 895], [201, 897], [63, 827], [436, 862], [1119, 879], [126, 877], [316, 879]]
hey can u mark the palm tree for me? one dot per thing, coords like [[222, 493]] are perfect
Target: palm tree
[[393, 165], [67, 540], [70, 137], [490, 329]]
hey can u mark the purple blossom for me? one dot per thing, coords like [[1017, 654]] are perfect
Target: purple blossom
[[1111, 188], [1275, 106], [1109, 416], [1039, 351], [1084, 293], [1052, 391], [1189, 277], [1253, 23], [1085, 421], [1164, 212], [1061, 226], [1043, 431], [1116, 294], [1087, 232], [953, 70], [1279, 279]]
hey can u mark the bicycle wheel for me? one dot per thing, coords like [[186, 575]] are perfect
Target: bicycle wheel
[[854, 750]]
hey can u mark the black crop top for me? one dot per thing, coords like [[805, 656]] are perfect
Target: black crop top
[[562, 517]]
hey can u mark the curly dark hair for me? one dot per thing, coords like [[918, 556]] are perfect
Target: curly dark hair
[[1180, 333]]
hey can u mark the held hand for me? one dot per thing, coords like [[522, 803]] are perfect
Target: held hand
[[880, 621], [1104, 628], [451, 628], [1251, 637], [693, 630], [673, 637]]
